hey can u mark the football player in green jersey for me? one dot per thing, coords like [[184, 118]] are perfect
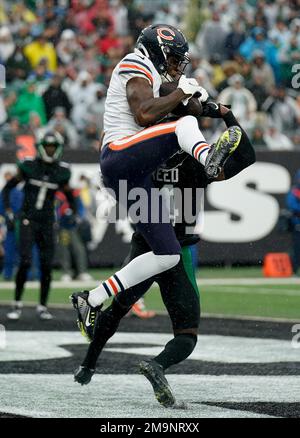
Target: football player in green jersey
[[42, 177]]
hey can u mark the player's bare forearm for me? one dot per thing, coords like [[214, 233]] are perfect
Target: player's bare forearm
[[155, 109], [146, 108]]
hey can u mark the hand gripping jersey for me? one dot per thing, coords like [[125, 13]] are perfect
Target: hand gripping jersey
[[118, 119]]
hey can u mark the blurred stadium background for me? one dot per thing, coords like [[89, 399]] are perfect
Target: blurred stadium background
[[58, 57]]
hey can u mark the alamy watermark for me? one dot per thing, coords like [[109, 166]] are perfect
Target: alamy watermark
[[296, 337], [2, 337], [296, 77], [154, 205]]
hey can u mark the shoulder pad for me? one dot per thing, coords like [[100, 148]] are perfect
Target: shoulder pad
[[25, 160], [23, 164], [64, 164]]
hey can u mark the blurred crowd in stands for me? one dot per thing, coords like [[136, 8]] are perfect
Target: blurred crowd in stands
[[59, 55]]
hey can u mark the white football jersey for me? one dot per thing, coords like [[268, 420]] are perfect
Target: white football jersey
[[118, 119]]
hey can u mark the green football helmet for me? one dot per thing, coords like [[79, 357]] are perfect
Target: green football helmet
[[50, 138]]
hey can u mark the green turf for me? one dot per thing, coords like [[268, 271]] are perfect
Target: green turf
[[277, 301], [253, 301], [247, 272]]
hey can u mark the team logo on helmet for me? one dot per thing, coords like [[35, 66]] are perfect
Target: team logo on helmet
[[161, 33]]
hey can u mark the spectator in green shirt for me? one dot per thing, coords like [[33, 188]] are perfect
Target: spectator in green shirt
[[28, 101]]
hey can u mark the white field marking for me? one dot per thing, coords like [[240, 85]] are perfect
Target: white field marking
[[57, 396], [247, 317], [27, 346], [200, 282], [261, 291]]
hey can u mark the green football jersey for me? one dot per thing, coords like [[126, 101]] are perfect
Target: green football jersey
[[42, 180], [183, 172]]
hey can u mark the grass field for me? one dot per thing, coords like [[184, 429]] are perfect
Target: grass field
[[248, 299]]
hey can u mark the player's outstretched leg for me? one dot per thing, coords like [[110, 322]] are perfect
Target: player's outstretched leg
[[88, 303], [154, 372], [221, 151]]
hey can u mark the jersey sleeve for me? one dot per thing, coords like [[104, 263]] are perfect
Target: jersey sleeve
[[130, 67], [65, 174], [25, 167]]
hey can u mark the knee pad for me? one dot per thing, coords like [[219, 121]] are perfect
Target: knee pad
[[168, 261]]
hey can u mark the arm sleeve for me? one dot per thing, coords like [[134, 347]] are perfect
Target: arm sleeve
[[71, 198], [244, 155]]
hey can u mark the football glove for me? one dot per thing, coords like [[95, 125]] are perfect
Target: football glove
[[204, 95], [189, 86], [212, 110]]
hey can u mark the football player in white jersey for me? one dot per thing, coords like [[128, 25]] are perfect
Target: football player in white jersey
[[135, 144]]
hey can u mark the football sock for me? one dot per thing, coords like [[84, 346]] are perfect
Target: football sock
[[191, 139], [178, 349], [45, 285], [20, 281], [106, 325], [141, 268]]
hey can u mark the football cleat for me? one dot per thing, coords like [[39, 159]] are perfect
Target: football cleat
[[86, 315], [16, 311], [43, 313], [83, 375], [221, 151], [155, 374], [84, 276]]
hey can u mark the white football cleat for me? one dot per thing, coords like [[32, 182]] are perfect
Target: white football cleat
[[43, 313], [16, 311], [84, 276]]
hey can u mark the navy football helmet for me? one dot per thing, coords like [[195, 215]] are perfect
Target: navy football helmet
[[160, 41]]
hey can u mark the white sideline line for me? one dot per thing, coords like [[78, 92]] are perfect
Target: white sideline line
[[201, 282], [261, 291], [248, 281]]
